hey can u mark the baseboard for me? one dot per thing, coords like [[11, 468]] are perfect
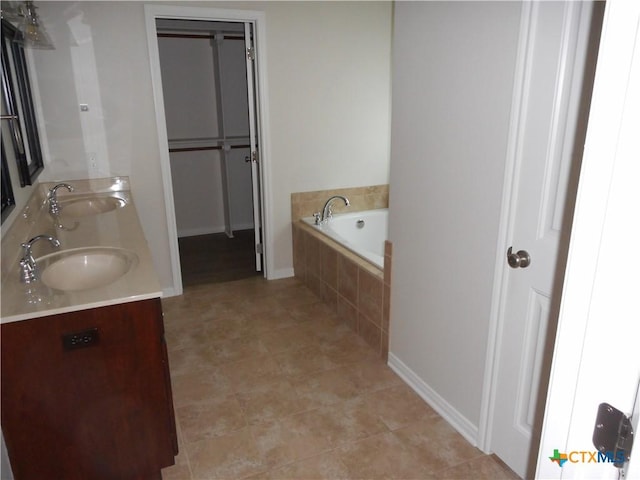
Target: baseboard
[[192, 232], [280, 273], [170, 292], [458, 421]]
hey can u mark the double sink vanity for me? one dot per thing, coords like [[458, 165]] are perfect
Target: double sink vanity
[[86, 391]]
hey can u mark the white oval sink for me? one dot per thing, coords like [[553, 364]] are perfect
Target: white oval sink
[[84, 207], [85, 268]]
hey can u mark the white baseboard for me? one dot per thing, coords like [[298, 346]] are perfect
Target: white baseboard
[[170, 292], [458, 421], [192, 232], [280, 273]]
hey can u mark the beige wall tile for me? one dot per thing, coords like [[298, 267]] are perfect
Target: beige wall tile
[[329, 266], [370, 293], [348, 313], [348, 280], [370, 332], [305, 204], [313, 259]]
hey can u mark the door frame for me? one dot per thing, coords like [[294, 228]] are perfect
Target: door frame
[[600, 289], [258, 19]]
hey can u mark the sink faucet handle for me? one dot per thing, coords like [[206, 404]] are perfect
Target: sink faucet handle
[[317, 216], [28, 266], [52, 197]]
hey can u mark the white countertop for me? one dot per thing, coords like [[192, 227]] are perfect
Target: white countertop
[[117, 228]]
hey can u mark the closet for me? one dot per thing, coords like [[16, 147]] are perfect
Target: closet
[[206, 98]]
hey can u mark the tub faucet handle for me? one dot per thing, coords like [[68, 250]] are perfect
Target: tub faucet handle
[[317, 217]]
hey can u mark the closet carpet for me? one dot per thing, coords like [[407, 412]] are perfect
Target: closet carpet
[[217, 258]]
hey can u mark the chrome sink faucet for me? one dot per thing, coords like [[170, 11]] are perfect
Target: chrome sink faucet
[[28, 267], [52, 197], [327, 213]]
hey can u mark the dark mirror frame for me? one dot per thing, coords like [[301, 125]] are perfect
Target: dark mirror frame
[[8, 201], [25, 128]]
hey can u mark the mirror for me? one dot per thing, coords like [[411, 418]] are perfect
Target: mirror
[[18, 120]]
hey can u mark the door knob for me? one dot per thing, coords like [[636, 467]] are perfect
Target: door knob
[[520, 259]]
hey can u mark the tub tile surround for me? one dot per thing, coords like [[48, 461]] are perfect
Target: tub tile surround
[[356, 290], [305, 204]]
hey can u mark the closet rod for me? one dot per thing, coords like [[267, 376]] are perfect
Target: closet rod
[[194, 149], [189, 35]]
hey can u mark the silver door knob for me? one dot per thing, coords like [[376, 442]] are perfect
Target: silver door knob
[[520, 259]]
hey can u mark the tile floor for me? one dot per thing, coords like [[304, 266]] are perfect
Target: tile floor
[[268, 384]]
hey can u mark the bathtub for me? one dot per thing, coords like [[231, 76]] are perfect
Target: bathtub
[[364, 233]]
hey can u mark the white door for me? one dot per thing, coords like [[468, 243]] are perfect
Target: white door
[[547, 150], [253, 142], [597, 352]]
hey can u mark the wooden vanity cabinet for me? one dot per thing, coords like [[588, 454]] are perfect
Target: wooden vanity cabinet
[[87, 394]]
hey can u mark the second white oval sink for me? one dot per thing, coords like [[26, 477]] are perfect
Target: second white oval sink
[[85, 268], [91, 206]]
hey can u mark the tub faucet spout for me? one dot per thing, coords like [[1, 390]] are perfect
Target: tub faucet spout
[[327, 213]]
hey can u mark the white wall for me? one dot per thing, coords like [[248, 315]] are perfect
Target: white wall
[[452, 85], [328, 94]]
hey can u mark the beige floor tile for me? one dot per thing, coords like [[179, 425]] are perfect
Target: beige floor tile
[[231, 327], [327, 387], [349, 349], [269, 383], [187, 360], [251, 374], [235, 349], [302, 430], [312, 311], [271, 321], [319, 467], [482, 468], [179, 471], [271, 401], [306, 361], [436, 443], [282, 442], [216, 417], [288, 338], [200, 386], [232, 456], [397, 406], [255, 305], [381, 456], [373, 375], [342, 423]]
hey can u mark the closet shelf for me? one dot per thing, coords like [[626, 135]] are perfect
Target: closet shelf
[[212, 143]]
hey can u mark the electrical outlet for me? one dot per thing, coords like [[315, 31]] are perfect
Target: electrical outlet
[[87, 338]]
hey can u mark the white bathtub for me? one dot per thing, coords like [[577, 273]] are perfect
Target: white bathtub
[[364, 233]]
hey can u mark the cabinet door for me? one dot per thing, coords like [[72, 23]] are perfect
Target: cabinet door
[[87, 394]]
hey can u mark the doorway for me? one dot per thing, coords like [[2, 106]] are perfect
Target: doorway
[[209, 112]]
